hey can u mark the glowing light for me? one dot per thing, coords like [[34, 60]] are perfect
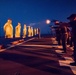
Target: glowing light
[[48, 21], [15, 42], [21, 40], [56, 22]]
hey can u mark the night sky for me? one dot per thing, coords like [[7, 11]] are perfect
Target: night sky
[[35, 12]]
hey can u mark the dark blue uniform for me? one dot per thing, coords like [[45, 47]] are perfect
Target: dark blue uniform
[[73, 25], [64, 37]]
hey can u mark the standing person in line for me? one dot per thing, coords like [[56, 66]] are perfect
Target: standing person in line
[[58, 35], [63, 36], [32, 31], [68, 35], [39, 33], [18, 30], [29, 31], [24, 31], [8, 29], [71, 39], [72, 19], [35, 31]]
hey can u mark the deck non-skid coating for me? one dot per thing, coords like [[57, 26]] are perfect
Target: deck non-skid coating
[[36, 57]]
